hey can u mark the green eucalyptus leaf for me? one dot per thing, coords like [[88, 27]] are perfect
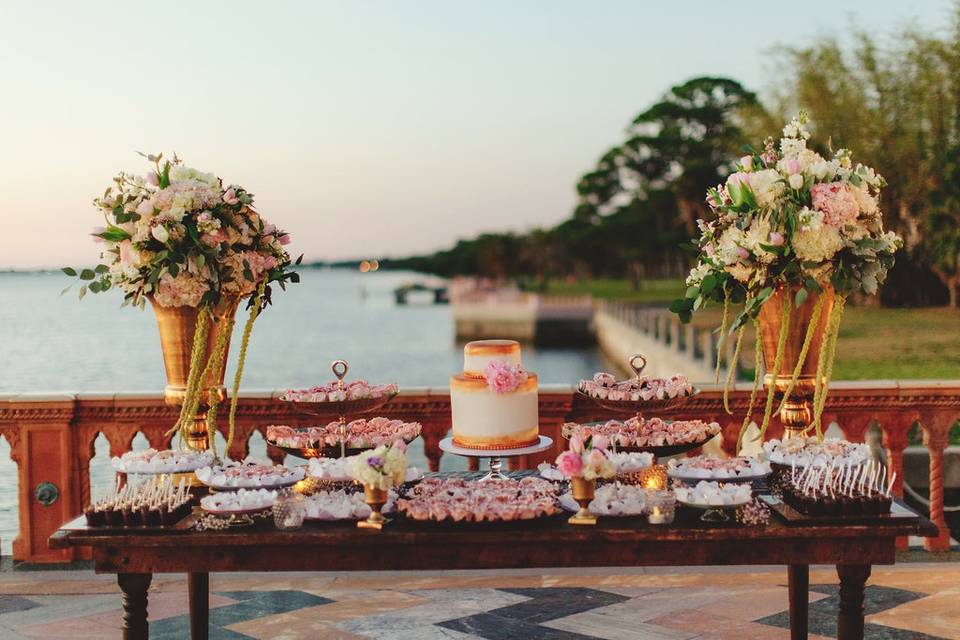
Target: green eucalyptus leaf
[[70, 271], [801, 297], [87, 274]]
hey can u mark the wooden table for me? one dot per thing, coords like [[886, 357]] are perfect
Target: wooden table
[[614, 542]]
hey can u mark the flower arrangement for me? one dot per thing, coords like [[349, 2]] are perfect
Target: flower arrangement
[[179, 238], [790, 220], [503, 377], [587, 459], [380, 468]]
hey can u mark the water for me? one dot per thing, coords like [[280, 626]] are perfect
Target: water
[[53, 343]]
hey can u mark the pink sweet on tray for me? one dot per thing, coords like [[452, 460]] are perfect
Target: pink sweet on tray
[[331, 392], [644, 388]]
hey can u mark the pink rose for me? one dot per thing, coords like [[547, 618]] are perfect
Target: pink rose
[[600, 442], [791, 165], [152, 179], [145, 209], [230, 196], [742, 253], [570, 464], [776, 239], [284, 239]]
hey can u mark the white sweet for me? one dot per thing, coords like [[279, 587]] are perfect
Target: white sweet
[[241, 500], [341, 505], [613, 499], [248, 475], [167, 461], [629, 462], [337, 470], [705, 468], [714, 494], [830, 452]]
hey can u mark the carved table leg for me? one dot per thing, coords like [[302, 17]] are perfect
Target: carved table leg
[[853, 577], [199, 586], [799, 584], [134, 587]]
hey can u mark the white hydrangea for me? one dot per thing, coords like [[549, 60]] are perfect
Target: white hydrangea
[[698, 273], [766, 186], [759, 233], [815, 241], [182, 173], [729, 245], [866, 202]]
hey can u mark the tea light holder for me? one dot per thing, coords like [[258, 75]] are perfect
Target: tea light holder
[[653, 478], [289, 510], [662, 505]]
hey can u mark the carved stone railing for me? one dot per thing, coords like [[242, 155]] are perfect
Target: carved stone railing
[[52, 437]]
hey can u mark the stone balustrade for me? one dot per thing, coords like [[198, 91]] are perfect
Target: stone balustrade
[[52, 437]]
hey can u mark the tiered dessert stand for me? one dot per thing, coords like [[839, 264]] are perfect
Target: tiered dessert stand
[[637, 363], [341, 408], [495, 456]]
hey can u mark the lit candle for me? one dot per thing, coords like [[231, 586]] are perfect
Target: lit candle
[[657, 516]]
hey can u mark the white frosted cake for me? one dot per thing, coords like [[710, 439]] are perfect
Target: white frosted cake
[[494, 400]]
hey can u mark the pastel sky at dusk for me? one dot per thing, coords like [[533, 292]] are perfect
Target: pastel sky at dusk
[[363, 128]]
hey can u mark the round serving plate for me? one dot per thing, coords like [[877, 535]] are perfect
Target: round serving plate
[[240, 512], [659, 451], [639, 407], [447, 445], [714, 512], [269, 487], [735, 480]]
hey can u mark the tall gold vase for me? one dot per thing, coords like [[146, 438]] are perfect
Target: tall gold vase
[[177, 326], [796, 413]]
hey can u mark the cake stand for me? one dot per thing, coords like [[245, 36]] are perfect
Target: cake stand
[[494, 456]]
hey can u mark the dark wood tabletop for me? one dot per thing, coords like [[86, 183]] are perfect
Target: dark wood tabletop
[[405, 545]]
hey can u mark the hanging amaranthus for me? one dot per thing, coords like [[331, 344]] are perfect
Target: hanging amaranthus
[[732, 370], [214, 366], [825, 364], [807, 340], [255, 309], [778, 361], [722, 342], [757, 363], [197, 351]]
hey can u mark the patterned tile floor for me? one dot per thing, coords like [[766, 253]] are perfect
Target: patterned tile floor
[[911, 601]]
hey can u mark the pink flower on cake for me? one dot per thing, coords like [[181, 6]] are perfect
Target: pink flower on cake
[[503, 377], [837, 202]]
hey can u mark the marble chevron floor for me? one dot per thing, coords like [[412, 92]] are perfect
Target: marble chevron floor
[[911, 601]]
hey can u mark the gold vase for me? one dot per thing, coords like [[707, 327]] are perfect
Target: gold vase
[[375, 499], [583, 491], [177, 326], [796, 414]]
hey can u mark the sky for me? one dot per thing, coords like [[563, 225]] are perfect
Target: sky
[[363, 128]]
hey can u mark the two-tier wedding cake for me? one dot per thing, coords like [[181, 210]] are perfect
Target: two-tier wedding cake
[[494, 400]]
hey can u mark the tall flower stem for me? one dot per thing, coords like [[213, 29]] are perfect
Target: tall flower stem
[[825, 364], [732, 369], [197, 351], [215, 364], [722, 342]]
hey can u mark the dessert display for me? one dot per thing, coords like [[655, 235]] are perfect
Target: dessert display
[[706, 494], [328, 506], [353, 436], [605, 386], [248, 475], [724, 469], [839, 490], [626, 463], [166, 461], [654, 435], [614, 499], [800, 452], [338, 470], [151, 504], [334, 392], [494, 400], [460, 500], [243, 501], [639, 393]]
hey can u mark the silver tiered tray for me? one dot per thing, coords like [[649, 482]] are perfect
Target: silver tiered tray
[[339, 408], [637, 363], [658, 451]]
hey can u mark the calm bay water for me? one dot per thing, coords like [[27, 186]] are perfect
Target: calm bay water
[[51, 343]]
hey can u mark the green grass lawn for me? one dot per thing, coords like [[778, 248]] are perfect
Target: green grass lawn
[[875, 343]]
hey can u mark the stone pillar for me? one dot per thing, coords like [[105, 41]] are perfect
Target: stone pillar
[[936, 430]]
